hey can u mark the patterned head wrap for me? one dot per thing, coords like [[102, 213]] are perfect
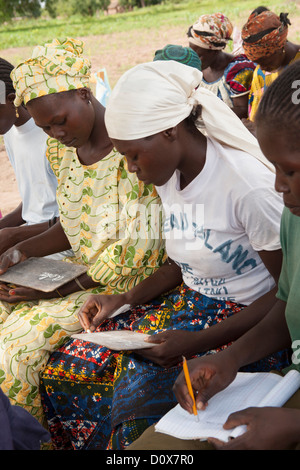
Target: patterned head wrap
[[156, 96], [211, 31], [52, 68], [184, 55], [264, 34]]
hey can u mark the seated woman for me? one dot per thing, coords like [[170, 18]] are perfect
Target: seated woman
[[226, 75], [98, 201], [222, 219], [265, 43], [267, 428]]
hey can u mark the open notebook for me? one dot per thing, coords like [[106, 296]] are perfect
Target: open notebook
[[248, 389]]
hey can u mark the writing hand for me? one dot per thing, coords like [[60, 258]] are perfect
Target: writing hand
[[209, 375]]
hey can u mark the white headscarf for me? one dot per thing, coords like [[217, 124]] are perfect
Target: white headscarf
[[156, 96]]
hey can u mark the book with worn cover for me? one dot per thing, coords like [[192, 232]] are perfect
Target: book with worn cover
[[248, 389], [42, 274]]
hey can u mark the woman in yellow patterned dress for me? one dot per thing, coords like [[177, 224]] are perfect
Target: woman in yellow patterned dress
[[99, 202]]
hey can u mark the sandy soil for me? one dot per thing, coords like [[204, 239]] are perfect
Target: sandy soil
[[116, 52]]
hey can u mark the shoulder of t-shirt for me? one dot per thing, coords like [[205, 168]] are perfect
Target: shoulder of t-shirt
[[233, 159]]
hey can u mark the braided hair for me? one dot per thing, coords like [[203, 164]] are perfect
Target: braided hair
[[5, 70], [279, 108]]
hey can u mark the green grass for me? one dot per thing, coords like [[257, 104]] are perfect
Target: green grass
[[31, 32]]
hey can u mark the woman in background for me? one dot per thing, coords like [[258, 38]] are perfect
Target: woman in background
[[265, 42], [227, 76]]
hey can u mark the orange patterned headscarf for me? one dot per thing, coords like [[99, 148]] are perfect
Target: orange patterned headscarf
[[211, 31], [264, 34]]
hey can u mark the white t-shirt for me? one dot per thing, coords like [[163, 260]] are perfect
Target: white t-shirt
[[26, 149], [216, 225]]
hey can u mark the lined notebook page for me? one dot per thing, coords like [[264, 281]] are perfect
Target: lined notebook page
[[248, 389]]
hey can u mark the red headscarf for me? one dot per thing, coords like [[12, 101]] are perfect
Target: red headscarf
[[264, 34]]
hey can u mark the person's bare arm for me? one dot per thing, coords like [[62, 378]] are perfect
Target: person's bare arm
[[51, 241], [240, 106], [174, 344], [211, 374], [13, 219], [98, 307], [11, 236]]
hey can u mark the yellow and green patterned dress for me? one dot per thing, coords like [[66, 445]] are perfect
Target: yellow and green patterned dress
[[113, 223]]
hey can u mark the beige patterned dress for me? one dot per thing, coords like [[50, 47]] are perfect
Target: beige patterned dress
[[113, 223]]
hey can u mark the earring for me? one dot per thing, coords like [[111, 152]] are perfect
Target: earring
[[17, 113]]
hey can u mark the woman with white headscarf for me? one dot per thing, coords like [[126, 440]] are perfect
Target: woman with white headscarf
[[222, 218]]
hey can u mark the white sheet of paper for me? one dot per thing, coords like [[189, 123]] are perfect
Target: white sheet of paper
[[248, 389], [117, 340], [122, 309]]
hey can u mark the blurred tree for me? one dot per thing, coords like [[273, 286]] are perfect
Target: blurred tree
[[6, 10], [12, 8], [51, 7], [71, 7], [30, 8], [129, 4]]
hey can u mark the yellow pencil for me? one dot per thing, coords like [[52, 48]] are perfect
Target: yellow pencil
[[189, 385]]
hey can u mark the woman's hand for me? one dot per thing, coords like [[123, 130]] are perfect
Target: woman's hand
[[97, 308], [268, 428], [14, 294], [171, 345], [11, 257], [209, 375]]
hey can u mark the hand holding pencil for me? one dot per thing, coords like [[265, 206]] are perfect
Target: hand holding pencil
[[202, 378]]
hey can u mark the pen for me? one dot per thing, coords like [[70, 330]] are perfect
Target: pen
[[189, 386]]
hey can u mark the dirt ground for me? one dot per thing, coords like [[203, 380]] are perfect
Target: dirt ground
[[116, 52], [113, 53]]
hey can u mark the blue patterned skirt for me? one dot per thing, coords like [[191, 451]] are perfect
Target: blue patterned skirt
[[95, 398]]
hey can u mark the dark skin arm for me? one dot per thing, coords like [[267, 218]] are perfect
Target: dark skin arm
[[211, 374], [11, 236], [51, 241], [46, 243], [175, 343], [98, 307], [240, 106], [13, 219], [267, 428]]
